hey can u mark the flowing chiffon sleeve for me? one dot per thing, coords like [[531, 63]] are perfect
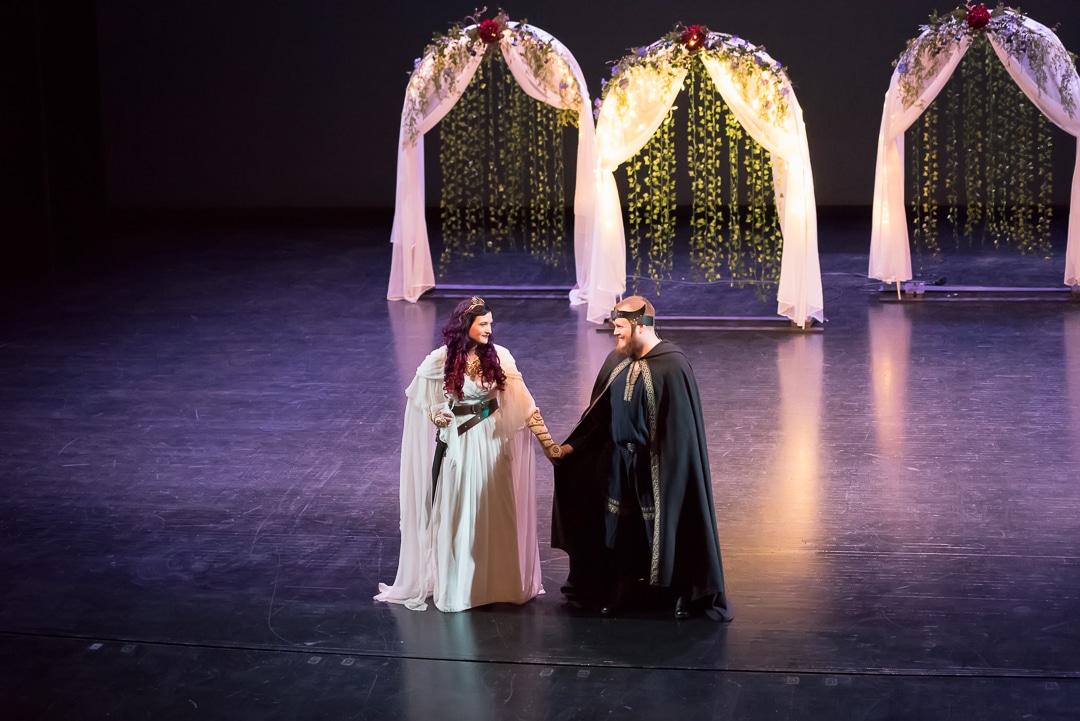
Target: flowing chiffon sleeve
[[515, 402], [515, 406], [415, 574]]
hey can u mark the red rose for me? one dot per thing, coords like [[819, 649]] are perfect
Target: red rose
[[978, 16], [490, 31], [693, 36]]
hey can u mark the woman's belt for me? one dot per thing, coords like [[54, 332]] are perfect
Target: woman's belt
[[482, 409]]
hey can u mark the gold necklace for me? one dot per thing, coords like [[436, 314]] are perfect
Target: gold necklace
[[472, 366]]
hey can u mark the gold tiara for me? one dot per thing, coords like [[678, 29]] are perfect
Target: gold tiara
[[476, 302]]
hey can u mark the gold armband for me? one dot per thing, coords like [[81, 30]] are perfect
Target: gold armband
[[536, 425]]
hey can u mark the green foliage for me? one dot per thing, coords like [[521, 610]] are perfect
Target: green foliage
[[707, 130], [503, 178], [436, 73], [754, 245], [750, 245], [651, 204], [501, 152], [922, 59], [753, 71], [925, 172], [996, 150]]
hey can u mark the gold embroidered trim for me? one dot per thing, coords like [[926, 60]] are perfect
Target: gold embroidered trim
[[616, 508], [617, 370], [654, 468], [631, 379]]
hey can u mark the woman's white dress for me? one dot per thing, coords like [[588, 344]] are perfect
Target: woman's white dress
[[477, 543]]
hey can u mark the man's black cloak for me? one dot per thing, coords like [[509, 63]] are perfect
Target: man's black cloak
[[686, 545]]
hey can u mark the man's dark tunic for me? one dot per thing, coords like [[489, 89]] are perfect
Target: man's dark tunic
[[640, 460]]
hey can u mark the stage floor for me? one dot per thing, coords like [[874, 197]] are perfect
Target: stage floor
[[199, 449]]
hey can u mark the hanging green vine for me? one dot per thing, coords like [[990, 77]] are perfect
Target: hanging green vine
[[546, 227], [974, 143], [926, 172], [995, 148], [735, 256], [651, 204], [754, 243], [997, 125], [741, 197], [500, 151], [996, 145], [953, 187], [763, 218], [462, 199], [503, 176], [707, 131], [1044, 176], [516, 133]]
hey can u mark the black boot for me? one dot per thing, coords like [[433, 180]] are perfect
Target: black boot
[[613, 606], [682, 607]]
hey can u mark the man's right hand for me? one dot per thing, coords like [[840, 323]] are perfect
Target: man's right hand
[[566, 449]]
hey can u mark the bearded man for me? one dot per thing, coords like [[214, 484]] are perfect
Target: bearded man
[[633, 504]]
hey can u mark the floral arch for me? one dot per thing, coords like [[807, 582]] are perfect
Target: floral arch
[[1036, 61], [544, 69], [641, 91]]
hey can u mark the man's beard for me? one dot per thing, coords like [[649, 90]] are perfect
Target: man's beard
[[632, 347]]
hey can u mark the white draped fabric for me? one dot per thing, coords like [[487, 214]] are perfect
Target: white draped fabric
[[619, 136], [411, 271], [890, 251], [890, 256], [1049, 103], [545, 89], [475, 542], [627, 121], [799, 296]]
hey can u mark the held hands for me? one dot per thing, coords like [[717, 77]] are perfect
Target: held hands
[[559, 453]]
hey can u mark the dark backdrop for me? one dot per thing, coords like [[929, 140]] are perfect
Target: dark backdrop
[[295, 104]]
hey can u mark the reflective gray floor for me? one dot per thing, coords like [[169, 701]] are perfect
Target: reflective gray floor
[[199, 445]]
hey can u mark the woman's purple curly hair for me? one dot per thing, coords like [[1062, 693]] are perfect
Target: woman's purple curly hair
[[455, 335]]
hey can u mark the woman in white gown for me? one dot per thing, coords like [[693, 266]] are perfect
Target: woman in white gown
[[468, 538]]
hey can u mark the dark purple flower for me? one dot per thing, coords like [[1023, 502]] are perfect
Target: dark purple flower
[[978, 16], [490, 31], [693, 36]]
